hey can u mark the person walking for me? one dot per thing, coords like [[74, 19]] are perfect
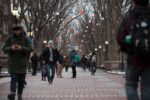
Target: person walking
[[34, 61], [133, 38], [43, 71], [74, 59], [50, 57], [60, 63], [17, 46], [66, 63], [83, 62], [93, 63]]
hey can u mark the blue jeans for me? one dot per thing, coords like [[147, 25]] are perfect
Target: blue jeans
[[17, 78], [133, 73], [50, 72]]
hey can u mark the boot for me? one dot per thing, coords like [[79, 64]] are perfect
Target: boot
[[20, 97], [11, 96]]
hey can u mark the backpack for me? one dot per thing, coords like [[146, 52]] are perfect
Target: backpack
[[76, 58], [140, 33]]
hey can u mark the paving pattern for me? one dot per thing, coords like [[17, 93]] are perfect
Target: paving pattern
[[102, 86]]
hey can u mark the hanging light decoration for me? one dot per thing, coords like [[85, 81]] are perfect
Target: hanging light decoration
[[82, 12]]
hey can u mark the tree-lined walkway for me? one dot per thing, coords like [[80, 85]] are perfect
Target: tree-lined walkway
[[103, 86]]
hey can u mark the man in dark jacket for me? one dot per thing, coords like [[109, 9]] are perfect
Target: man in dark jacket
[[74, 61], [34, 61], [17, 46], [50, 57], [136, 67]]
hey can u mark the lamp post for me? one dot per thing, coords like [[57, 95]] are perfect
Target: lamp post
[[100, 47], [106, 48], [44, 43], [31, 28], [15, 16], [122, 62], [30, 33]]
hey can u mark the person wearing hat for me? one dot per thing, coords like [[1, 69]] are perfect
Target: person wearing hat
[[136, 67], [17, 46], [50, 57]]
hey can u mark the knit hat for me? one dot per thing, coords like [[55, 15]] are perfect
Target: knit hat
[[50, 42], [141, 2]]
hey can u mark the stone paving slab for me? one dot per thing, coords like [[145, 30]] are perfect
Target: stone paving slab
[[103, 86]]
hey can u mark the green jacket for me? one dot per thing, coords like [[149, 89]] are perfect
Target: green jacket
[[17, 60], [76, 58]]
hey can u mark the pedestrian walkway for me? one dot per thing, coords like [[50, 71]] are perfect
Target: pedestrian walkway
[[102, 86]]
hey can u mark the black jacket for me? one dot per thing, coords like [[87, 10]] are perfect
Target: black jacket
[[46, 55]]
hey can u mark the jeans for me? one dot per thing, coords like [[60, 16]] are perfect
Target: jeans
[[50, 72], [133, 73], [17, 78]]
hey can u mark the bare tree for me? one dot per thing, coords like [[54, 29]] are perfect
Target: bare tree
[[44, 16], [109, 14]]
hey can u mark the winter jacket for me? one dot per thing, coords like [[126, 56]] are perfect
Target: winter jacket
[[34, 60], [123, 31], [74, 58], [46, 55], [17, 60]]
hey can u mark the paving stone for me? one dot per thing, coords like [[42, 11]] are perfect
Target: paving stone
[[102, 86]]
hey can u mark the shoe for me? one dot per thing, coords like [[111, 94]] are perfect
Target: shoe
[[50, 82], [11, 96], [73, 77], [19, 97], [25, 83]]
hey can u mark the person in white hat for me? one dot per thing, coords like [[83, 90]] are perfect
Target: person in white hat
[[50, 57]]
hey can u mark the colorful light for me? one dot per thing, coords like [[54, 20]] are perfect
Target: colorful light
[[82, 12]]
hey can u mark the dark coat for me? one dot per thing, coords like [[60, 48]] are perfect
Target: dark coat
[[34, 60], [123, 31], [17, 60], [46, 55]]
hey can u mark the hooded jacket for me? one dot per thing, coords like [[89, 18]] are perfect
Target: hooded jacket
[[123, 31], [17, 60]]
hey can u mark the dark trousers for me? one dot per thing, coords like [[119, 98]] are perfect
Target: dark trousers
[[33, 70], [74, 71], [44, 77], [34, 67], [17, 79], [133, 73]]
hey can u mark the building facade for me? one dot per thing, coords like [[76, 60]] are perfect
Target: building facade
[[5, 20]]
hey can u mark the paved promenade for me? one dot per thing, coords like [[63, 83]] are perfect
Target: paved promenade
[[102, 86]]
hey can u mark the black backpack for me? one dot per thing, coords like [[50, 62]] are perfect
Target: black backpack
[[140, 33]]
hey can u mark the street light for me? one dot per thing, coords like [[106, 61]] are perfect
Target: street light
[[100, 47], [90, 21], [44, 41], [106, 48], [106, 42], [57, 13], [95, 49]]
